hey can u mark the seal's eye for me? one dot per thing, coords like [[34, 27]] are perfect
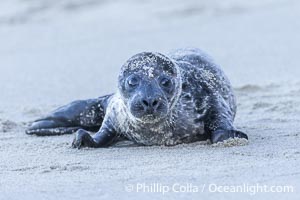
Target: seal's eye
[[166, 82], [133, 81]]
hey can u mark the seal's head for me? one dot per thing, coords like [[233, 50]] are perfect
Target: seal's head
[[150, 85]]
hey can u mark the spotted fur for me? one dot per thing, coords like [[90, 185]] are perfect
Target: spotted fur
[[202, 106]]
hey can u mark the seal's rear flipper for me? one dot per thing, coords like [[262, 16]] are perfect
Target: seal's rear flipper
[[83, 114], [41, 129], [51, 128]]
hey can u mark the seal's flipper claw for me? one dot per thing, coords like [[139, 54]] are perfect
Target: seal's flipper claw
[[77, 141], [221, 135], [83, 139], [240, 134]]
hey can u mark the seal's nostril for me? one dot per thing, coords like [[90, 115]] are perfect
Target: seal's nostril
[[150, 103], [154, 103], [145, 103]]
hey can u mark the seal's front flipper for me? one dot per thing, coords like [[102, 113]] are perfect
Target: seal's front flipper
[[103, 138], [221, 135], [219, 122], [84, 114]]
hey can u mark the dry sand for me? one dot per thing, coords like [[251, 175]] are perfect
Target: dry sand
[[52, 53]]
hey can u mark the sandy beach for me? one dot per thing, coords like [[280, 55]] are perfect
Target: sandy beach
[[52, 53]]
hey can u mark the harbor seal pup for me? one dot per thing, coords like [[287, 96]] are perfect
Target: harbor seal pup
[[181, 97]]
